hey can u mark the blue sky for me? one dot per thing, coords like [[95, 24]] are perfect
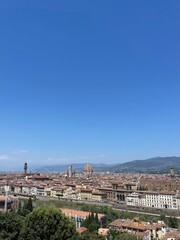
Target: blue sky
[[88, 81]]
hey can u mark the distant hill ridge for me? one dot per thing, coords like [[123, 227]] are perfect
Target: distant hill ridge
[[156, 164]]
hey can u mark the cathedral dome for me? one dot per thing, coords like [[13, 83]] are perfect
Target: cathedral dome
[[88, 168]]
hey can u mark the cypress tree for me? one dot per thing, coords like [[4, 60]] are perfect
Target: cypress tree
[[29, 205]]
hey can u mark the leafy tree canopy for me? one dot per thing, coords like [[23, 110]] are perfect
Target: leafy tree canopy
[[47, 223], [10, 225], [90, 236], [119, 235], [91, 222], [25, 208]]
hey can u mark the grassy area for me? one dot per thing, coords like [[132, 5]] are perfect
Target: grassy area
[[57, 204]]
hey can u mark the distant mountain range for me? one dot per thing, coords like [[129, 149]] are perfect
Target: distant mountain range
[[154, 165]]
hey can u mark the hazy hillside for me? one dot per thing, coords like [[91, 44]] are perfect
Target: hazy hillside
[[157, 164], [78, 167]]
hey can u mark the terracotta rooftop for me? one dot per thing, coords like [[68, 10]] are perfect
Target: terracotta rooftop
[[174, 234], [134, 225], [78, 213], [103, 231], [81, 230]]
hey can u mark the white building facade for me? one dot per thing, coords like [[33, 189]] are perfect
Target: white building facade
[[162, 200]]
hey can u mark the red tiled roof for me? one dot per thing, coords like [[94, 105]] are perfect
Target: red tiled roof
[[134, 225], [78, 213], [81, 230], [173, 234]]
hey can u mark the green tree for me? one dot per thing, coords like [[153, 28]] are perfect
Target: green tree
[[46, 223], [111, 215], [19, 208], [126, 236], [173, 222], [86, 222], [29, 205], [96, 218], [91, 222], [25, 208], [90, 236], [10, 225], [115, 235]]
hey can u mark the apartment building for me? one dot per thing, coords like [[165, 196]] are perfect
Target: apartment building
[[166, 200], [141, 229]]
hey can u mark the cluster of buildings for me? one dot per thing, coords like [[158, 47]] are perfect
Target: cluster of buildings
[[142, 229], [161, 191], [145, 230]]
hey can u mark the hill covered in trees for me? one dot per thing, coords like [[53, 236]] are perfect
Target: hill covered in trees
[[157, 164]]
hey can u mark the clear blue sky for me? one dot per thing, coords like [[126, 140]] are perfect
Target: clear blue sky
[[89, 81]]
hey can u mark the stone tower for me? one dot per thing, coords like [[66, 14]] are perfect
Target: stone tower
[[172, 172], [25, 169]]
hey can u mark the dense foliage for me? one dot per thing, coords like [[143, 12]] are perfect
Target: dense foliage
[[91, 222], [173, 222], [120, 235], [90, 236], [43, 223], [10, 225], [25, 207], [47, 223]]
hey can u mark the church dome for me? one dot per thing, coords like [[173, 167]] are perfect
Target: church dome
[[88, 168]]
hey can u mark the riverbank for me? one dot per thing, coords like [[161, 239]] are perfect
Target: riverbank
[[100, 207]]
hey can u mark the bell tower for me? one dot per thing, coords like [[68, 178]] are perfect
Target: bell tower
[[25, 169], [172, 173]]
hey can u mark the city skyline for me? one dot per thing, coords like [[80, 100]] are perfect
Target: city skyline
[[89, 81]]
